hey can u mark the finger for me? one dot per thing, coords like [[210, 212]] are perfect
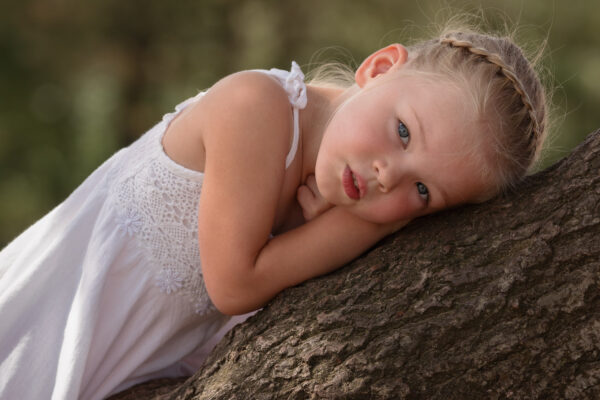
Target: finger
[[311, 182], [304, 195], [306, 199]]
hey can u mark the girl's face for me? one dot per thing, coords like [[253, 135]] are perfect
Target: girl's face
[[398, 149]]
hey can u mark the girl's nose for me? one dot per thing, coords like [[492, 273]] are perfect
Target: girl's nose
[[385, 174]]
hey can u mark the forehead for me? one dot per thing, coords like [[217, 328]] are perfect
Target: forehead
[[446, 97], [432, 97], [437, 110]]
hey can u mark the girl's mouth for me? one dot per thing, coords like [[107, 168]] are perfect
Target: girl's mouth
[[352, 184]]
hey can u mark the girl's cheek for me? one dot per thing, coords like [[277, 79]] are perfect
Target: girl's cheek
[[406, 207]]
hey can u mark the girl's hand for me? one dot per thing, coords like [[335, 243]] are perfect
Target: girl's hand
[[310, 199], [313, 205]]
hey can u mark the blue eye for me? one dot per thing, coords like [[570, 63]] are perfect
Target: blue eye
[[403, 132], [423, 191]]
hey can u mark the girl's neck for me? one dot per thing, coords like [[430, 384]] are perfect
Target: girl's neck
[[321, 105]]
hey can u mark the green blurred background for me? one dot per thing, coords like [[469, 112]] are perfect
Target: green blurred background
[[80, 79]]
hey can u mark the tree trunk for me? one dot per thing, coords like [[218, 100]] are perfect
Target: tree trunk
[[492, 301]]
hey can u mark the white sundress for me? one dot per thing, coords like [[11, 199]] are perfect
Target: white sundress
[[106, 290]]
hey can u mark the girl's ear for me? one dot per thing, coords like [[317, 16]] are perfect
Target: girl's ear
[[383, 60]]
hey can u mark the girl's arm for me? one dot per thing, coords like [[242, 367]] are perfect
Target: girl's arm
[[246, 123]]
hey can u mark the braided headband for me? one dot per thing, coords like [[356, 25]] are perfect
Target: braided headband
[[496, 60]]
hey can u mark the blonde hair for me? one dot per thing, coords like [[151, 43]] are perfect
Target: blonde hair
[[508, 98]]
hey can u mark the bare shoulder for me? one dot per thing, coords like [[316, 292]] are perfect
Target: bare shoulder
[[245, 106], [251, 83], [250, 100]]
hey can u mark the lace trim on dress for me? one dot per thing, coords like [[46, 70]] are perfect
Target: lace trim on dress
[[160, 210]]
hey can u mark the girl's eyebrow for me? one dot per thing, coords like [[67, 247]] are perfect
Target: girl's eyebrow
[[422, 134], [422, 137]]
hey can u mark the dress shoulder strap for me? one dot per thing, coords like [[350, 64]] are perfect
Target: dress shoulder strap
[[293, 83]]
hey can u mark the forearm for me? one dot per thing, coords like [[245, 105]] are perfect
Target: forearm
[[315, 248]]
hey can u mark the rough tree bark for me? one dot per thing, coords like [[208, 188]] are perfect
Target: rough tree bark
[[490, 301]]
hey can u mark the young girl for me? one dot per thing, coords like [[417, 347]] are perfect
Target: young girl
[[251, 187]]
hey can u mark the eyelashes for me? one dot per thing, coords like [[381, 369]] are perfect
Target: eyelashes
[[403, 133], [423, 191]]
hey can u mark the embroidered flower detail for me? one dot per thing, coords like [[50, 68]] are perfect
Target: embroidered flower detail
[[130, 222], [169, 281], [295, 87], [204, 307], [201, 307]]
